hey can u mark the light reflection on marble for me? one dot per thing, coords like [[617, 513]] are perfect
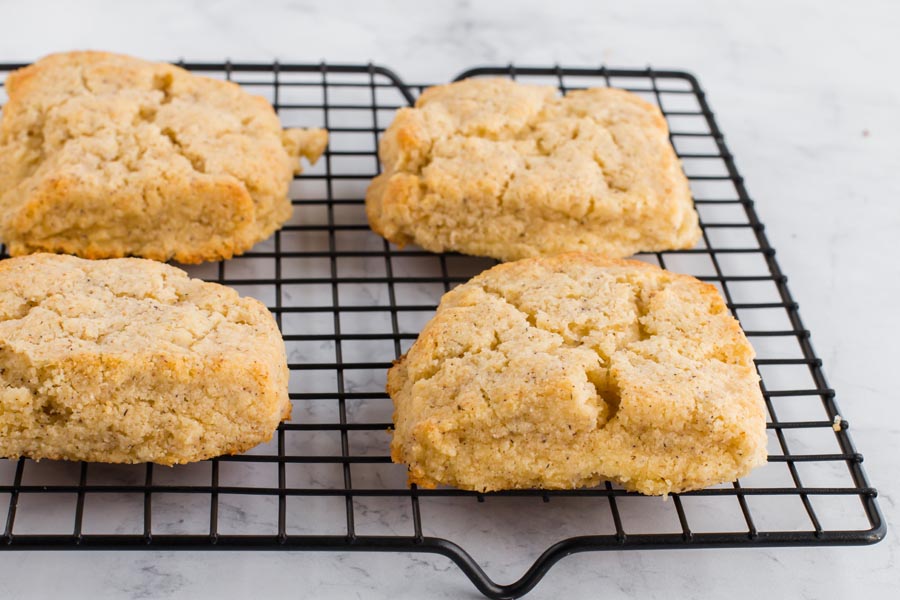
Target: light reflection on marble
[[813, 125]]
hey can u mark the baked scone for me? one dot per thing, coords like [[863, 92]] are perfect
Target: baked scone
[[495, 168], [103, 156], [129, 360], [560, 372]]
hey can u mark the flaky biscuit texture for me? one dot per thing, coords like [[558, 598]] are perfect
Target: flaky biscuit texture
[[561, 372], [495, 168], [130, 360], [104, 156]]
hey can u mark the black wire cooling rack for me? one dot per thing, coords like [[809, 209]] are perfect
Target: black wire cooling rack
[[348, 303]]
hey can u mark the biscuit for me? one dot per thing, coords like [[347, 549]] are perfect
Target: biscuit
[[561, 372], [104, 156], [129, 360], [494, 168]]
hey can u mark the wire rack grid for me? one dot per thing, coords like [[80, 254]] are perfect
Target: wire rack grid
[[348, 303]]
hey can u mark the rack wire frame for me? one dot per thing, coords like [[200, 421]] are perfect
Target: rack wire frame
[[331, 283]]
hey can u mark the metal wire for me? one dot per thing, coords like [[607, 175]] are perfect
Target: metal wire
[[348, 303]]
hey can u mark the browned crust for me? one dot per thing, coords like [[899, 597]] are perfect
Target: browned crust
[[207, 214], [403, 205], [185, 390], [420, 442]]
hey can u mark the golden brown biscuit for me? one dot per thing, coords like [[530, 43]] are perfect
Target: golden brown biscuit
[[564, 371], [130, 360], [103, 156], [495, 168]]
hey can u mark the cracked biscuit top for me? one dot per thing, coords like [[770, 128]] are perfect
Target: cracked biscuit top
[[561, 372], [495, 168], [103, 155], [130, 360]]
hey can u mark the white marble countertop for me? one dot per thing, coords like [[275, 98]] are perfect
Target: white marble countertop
[[803, 95]]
